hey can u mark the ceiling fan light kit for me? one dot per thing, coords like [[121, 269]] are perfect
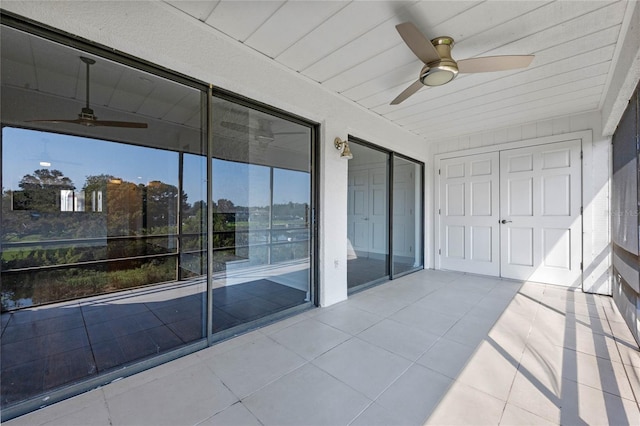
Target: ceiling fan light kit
[[443, 70], [440, 68]]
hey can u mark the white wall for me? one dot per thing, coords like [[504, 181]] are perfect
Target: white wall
[[157, 32], [596, 172]]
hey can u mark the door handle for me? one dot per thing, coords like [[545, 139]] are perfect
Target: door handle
[[504, 221]]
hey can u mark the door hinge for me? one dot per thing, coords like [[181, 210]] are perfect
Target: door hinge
[[581, 155], [438, 171], [439, 211], [439, 251], [581, 266], [580, 209]]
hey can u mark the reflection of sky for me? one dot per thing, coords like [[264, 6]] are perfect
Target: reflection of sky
[[79, 157], [248, 184]]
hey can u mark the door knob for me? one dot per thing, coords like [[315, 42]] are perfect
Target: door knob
[[504, 221]]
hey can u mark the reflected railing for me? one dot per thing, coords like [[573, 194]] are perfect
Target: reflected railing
[[136, 261]]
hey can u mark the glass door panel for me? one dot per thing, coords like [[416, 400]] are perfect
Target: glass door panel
[[407, 215], [367, 216], [92, 269], [261, 202]]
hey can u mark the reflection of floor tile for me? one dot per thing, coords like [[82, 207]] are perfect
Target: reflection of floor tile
[[231, 294], [67, 367], [22, 381], [5, 318], [250, 309], [43, 313], [137, 345], [177, 312], [106, 311], [107, 355], [189, 329], [223, 321], [20, 331]]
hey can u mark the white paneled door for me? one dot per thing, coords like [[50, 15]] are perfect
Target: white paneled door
[[358, 214], [367, 213], [514, 213], [469, 210], [540, 202]]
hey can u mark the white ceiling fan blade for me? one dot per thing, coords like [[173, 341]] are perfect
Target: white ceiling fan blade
[[417, 42], [494, 63], [413, 88]]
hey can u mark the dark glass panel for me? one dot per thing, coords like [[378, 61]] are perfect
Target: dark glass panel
[[367, 216], [261, 194], [91, 216], [407, 215]]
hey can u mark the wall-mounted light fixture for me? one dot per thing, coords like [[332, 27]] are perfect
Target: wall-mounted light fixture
[[344, 146]]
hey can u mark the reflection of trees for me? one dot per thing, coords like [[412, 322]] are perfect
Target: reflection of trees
[[121, 220], [41, 190], [133, 227]]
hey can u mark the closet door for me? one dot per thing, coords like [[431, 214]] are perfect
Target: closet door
[[540, 203], [469, 213]]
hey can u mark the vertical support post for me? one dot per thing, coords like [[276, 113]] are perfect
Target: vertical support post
[[209, 121], [270, 215], [179, 215], [391, 165]]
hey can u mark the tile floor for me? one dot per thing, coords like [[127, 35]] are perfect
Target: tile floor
[[432, 347]]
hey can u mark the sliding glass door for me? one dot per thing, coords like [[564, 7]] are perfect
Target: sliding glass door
[[384, 215], [103, 179], [407, 241], [367, 216], [261, 215], [132, 231]]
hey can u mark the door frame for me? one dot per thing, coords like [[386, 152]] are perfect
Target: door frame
[[587, 191]]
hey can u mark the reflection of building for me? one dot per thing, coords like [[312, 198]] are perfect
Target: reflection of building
[[96, 201], [423, 190], [71, 201]]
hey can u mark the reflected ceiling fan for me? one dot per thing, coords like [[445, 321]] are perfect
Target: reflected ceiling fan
[[87, 117], [440, 68], [263, 133]]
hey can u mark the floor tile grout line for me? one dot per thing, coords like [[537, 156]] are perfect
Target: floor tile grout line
[[524, 348]]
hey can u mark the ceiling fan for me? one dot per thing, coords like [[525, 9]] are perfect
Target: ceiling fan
[[440, 68], [263, 133], [87, 117]]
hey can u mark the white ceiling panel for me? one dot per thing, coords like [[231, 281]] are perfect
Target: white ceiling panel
[[477, 84], [352, 48], [354, 53], [240, 19], [385, 61], [355, 19], [198, 9], [289, 23]]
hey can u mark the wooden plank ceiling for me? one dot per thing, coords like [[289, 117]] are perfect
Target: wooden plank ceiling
[[352, 48]]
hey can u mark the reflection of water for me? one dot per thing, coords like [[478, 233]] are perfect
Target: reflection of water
[[8, 302]]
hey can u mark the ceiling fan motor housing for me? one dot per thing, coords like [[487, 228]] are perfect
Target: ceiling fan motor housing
[[445, 69]]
